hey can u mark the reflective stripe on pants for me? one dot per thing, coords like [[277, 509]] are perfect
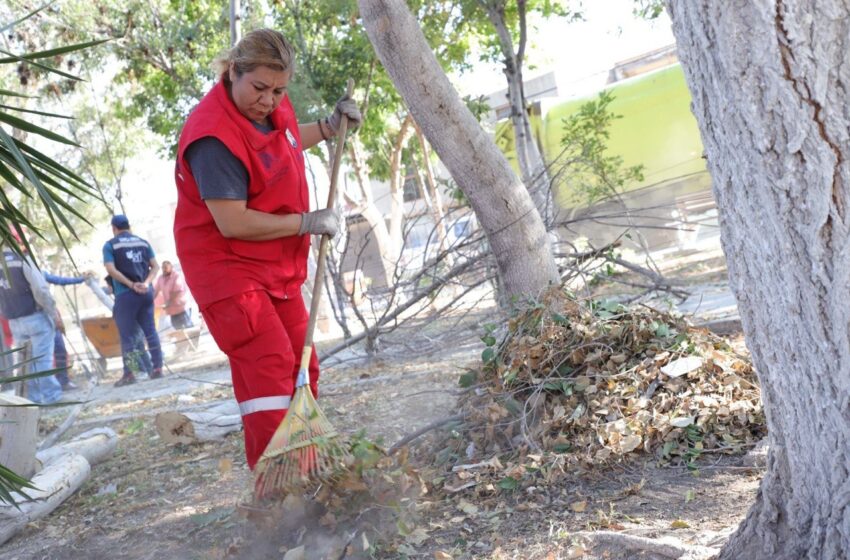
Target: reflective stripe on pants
[[264, 403], [263, 338]]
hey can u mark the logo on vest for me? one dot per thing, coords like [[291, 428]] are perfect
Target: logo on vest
[[292, 141], [134, 256]]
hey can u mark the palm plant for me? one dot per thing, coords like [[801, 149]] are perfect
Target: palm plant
[[28, 173]]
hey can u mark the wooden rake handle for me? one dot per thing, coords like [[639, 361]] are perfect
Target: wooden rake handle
[[319, 282]]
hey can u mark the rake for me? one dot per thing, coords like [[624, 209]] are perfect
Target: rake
[[306, 448]]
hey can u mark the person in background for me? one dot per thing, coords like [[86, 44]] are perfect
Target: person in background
[[140, 359], [170, 284], [131, 262], [243, 224], [60, 353], [26, 302]]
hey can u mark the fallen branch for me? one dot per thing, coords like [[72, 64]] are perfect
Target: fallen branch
[[66, 424], [61, 477], [211, 424], [95, 446], [421, 431]]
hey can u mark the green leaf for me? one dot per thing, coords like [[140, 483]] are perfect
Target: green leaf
[[661, 330], [560, 319], [10, 93], [513, 405], [468, 379], [10, 481], [488, 340], [488, 355], [36, 375], [46, 68], [53, 52], [508, 483], [28, 127], [34, 112], [134, 427], [562, 448]]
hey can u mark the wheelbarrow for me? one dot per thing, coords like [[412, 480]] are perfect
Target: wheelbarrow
[[103, 335], [102, 331]]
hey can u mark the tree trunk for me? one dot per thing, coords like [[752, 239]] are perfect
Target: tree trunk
[[529, 158], [515, 232], [433, 198], [397, 174], [205, 425], [18, 434], [379, 233], [769, 85]]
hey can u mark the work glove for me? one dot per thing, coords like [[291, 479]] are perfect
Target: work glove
[[348, 107], [320, 222]]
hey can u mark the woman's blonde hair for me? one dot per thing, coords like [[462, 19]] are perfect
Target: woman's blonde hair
[[261, 47]]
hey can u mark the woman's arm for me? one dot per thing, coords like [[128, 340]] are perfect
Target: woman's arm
[[236, 221], [312, 135]]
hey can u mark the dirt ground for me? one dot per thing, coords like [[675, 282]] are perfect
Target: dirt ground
[[158, 501]]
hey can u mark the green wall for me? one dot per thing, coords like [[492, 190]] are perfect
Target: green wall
[[657, 129]]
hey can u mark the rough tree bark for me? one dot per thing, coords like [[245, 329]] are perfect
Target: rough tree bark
[[529, 158], [503, 206], [769, 81]]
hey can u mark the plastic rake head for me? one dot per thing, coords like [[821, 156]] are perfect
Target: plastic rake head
[[304, 450]]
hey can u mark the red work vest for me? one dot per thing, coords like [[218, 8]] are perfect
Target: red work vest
[[215, 267]]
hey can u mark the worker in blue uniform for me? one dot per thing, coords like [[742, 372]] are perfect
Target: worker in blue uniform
[[131, 262]]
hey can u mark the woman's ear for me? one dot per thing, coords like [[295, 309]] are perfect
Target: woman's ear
[[231, 72]]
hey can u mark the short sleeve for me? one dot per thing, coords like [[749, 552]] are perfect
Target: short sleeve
[[217, 172], [108, 255]]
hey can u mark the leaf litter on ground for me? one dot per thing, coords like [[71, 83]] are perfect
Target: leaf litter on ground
[[568, 383]]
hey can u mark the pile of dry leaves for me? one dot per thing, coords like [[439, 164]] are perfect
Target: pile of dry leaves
[[595, 381]]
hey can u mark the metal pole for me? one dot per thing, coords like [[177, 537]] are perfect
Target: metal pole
[[234, 22]]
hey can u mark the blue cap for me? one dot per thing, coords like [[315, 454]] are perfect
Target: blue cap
[[120, 221]]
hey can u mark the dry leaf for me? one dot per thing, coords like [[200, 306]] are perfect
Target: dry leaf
[[679, 524], [417, 536], [579, 507], [682, 366], [467, 508], [682, 421]]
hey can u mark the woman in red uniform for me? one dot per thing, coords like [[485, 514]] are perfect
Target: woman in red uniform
[[243, 224]]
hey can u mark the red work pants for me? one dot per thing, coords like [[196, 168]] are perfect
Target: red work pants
[[263, 336]]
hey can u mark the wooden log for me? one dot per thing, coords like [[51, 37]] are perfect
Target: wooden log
[[207, 425], [18, 434], [95, 445], [60, 478]]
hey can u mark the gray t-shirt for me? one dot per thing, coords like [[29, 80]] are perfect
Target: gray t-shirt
[[218, 173]]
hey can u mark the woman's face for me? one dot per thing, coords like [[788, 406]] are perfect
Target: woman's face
[[259, 92]]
